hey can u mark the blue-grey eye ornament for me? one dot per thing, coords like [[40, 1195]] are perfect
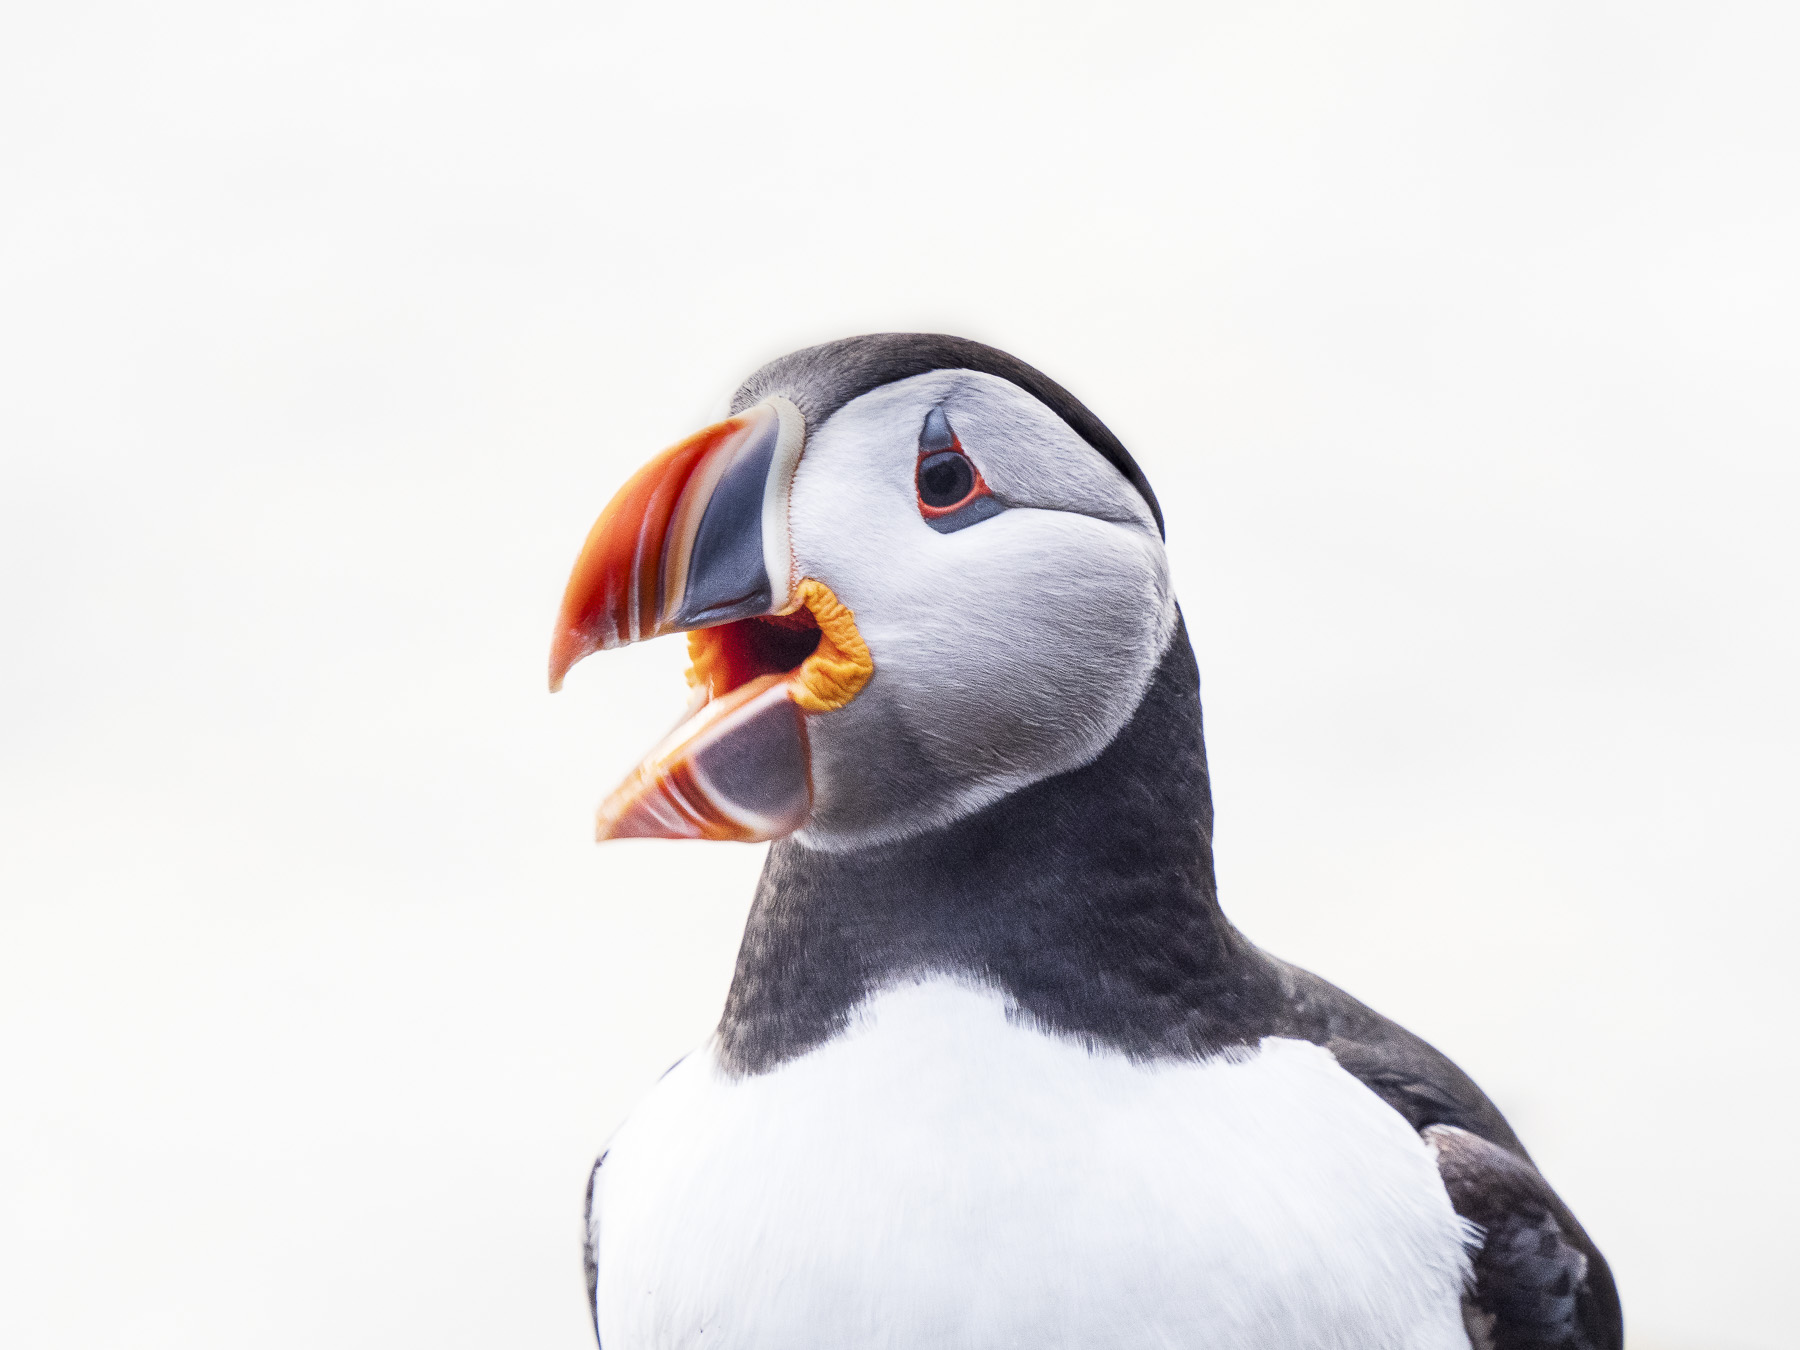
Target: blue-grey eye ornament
[[952, 493]]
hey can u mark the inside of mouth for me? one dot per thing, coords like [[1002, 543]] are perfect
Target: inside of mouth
[[733, 654]]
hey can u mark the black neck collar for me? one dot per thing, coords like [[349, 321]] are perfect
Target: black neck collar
[[1088, 899]]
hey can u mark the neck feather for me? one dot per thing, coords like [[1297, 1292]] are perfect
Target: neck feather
[[1088, 899]]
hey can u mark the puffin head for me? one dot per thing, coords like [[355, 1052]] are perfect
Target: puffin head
[[915, 575]]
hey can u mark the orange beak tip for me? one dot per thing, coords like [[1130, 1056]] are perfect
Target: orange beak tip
[[566, 650]]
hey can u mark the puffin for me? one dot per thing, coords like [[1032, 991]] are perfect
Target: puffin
[[994, 1069]]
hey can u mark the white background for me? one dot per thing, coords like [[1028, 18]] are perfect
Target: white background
[[1459, 342]]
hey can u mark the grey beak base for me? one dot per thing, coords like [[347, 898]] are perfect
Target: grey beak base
[[761, 771], [727, 578]]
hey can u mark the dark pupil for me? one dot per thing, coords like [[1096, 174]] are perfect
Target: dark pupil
[[945, 478]]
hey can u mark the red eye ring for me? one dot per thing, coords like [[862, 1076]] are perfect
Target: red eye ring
[[946, 481]]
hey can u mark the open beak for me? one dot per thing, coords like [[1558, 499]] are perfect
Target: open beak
[[697, 542]]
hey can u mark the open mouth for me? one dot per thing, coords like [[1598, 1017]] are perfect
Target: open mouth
[[697, 542], [723, 660], [739, 766]]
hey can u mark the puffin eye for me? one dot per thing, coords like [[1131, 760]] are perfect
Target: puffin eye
[[945, 479], [948, 482]]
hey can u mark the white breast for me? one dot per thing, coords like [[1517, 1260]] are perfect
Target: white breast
[[944, 1176]]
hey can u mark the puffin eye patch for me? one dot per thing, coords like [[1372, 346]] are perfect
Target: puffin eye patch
[[952, 493]]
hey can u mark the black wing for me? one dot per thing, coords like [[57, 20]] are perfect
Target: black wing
[[590, 1247], [1540, 1284]]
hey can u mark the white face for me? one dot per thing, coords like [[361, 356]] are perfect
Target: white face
[[1006, 651]]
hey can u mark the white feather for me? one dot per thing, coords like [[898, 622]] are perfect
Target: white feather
[[1005, 652], [945, 1176]]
